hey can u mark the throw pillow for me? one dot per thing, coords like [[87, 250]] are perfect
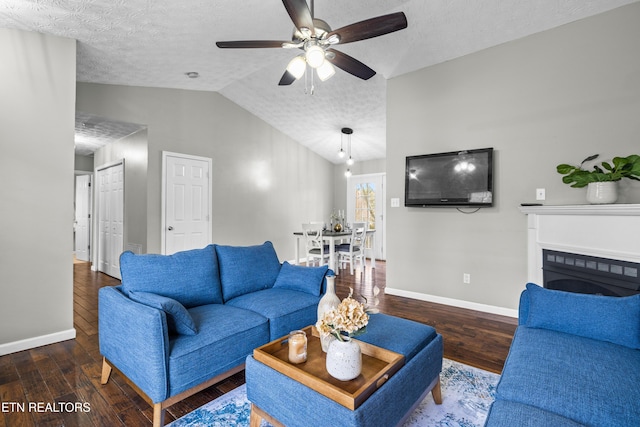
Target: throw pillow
[[612, 319], [178, 318], [299, 278], [245, 269], [189, 277]]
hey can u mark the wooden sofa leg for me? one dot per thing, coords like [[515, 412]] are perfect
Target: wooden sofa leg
[[106, 371], [436, 392], [158, 415]]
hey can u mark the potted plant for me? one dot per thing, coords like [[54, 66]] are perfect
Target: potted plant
[[601, 180]]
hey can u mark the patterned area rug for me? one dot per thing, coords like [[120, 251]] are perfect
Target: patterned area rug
[[467, 394]]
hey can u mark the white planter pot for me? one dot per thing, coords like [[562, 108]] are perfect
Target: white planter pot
[[344, 360], [599, 193]]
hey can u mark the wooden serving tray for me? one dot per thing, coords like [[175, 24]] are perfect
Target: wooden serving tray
[[378, 365]]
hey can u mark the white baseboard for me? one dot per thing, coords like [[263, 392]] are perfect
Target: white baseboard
[[454, 302], [29, 343]]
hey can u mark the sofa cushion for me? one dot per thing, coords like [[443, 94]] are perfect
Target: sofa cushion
[[227, 335], [300, 278], [189, 277], [612, 319], [178, 318], [245, 269], [589, 381], [505, 413], [286, 310]]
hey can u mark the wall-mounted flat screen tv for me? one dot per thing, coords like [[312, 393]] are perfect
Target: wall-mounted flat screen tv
[[454, 179]]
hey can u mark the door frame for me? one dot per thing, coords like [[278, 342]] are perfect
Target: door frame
[[379, 234], [95, 254], [163, 195]]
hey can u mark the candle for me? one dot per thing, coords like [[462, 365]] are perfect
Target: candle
[[297, 347]]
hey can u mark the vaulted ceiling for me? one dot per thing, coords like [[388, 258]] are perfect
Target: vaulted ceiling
[[154, 43]]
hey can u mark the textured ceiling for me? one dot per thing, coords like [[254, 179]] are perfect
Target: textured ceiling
[[155, 42], [93, 132]]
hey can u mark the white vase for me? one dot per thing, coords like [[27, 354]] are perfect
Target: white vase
[[344, 360], [328, 301], [602, 192]]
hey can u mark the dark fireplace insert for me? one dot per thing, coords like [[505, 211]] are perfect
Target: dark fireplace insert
[[590, 275]]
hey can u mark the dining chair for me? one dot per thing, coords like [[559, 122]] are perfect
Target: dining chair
[[354, 250], [315, 247]]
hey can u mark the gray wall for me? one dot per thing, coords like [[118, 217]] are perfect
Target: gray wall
[[37, 97], [83, 164], [264, 183], [554, 97], [133, 150]]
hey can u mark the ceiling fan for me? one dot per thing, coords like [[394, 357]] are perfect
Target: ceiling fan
[[315, 37]]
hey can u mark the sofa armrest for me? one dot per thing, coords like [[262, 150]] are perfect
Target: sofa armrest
[[135, 339]]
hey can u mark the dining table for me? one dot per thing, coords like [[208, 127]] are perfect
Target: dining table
[[333, 238]]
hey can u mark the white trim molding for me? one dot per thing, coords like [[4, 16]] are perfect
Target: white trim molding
[[453, 302], [29, 343]]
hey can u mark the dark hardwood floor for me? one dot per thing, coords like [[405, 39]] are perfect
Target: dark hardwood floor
[[41, 386]]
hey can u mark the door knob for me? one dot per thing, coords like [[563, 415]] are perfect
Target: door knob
[[170, 228]]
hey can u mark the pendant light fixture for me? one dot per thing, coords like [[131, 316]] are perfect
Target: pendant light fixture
[[346, 134]]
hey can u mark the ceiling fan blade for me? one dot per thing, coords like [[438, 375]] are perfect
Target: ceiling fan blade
[[370, 28], [249, 44], [286, 79], [300, 14], [350, 64]]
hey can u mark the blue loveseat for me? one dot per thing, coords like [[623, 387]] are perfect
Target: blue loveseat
[[180, 323], [574, 361]]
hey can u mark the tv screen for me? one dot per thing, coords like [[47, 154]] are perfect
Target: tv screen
[[454, 179]]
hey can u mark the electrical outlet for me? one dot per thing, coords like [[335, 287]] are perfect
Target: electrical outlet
[[540, 194], [466, 278], [395, 202]]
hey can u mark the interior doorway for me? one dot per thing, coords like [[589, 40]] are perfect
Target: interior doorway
[[110, 217], [82, 220], [186, 202], [366, 195]]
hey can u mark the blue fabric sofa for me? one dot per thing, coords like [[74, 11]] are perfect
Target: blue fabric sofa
[[180, 323], [574, 361]]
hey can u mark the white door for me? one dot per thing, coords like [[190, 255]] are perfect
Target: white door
[[110, 219], [82, 225], [366, 197], [186, 219]]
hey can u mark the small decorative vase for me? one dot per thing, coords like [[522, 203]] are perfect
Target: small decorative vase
[[328, 301], [344, 359], [599, 193]]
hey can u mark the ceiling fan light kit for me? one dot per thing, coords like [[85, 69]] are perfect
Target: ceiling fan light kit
[[297, 66], [315, 37], [325, 71], [314, 54]]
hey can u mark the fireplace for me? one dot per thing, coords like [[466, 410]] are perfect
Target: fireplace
[[590, 275], [584, 248]]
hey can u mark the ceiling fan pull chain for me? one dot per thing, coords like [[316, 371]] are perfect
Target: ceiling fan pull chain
[[313, 87]]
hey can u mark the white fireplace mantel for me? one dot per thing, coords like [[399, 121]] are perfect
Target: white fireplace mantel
[[607, 231]]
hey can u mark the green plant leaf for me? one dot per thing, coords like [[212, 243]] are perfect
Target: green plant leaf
[[564, 168], [588, 159]]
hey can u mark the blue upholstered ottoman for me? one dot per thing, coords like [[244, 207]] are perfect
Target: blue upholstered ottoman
[[292, 404]]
